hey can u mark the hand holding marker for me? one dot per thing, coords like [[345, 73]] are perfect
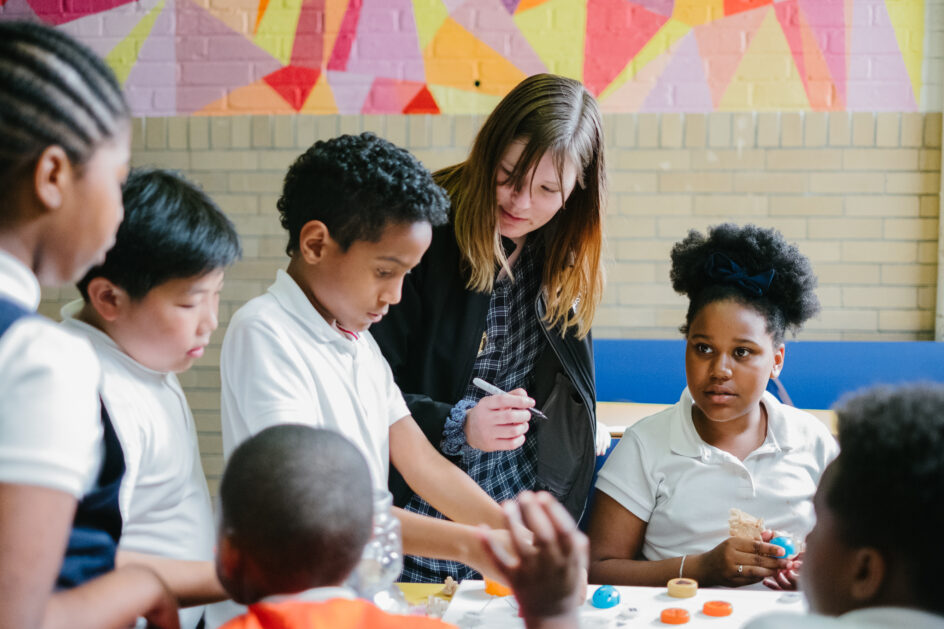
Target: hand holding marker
[[493, 390]]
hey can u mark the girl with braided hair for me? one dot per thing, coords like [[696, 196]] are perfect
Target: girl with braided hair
[[64, 151], [668, 487]]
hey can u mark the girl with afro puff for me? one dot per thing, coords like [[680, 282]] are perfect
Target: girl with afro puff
[[668, 487]]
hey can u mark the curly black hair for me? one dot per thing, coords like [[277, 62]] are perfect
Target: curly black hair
[[356, 185], [888, 482], [785, 304]]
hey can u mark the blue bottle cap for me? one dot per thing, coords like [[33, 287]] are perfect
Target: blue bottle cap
[[605, 597], [786, 544]]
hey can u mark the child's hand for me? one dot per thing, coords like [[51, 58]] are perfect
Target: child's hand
[[737, 561], [787, 579], [548, 575], [499, 422]]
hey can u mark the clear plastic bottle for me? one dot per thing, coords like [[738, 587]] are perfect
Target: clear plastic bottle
[[375, 576]]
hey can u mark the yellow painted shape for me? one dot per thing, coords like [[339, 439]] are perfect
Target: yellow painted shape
[[263, 4], [907, 18], [321, 98], [759, 82], [255, 98], [334, 15], [665, 38], [276, 32], [556, 30], [456, 58], [429, 16], [632, 94], [122, 57], [455, 101], [698, 12]]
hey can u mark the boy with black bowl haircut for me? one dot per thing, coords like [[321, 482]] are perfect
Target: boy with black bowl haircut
[[149, 310], [869, 560], [296, 511]]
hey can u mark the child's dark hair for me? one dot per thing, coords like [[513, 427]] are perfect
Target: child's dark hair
[[171, 230], [53, 91], [356, 185], [298, 501], [752, 265], [888, 482]]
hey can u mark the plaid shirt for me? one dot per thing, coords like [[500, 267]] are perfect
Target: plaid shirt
[[510, 347]]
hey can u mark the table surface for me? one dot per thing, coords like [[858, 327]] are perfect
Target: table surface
[[472, 607]]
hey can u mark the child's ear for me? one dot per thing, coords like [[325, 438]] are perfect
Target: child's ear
[[867, 569], [313, 241], [778, 361], [107, 298], [53, 173]]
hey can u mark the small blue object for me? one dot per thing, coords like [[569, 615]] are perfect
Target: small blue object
[[605, 597], [786, 544]]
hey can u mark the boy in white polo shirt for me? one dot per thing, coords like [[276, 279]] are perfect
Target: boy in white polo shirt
[[149, 310], [359, 213]]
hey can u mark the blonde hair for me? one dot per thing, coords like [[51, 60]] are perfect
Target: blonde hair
[[554, 115]]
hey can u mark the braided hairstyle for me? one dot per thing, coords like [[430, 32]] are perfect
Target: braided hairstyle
[[751, 265], [53, 91]]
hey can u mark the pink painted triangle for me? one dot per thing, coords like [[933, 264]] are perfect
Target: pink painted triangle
[[389, 96], [52, 11], [682, 86], [151, 86], [308, 48], [827, 20], [350, 90], [343, 43], [662, 7], [493, 25], [632, 94], [878, 79], [788, 14], [724, 42], [386, 43], [616, 31], [204, 45]]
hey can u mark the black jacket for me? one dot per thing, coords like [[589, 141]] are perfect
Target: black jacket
[[431, 339]]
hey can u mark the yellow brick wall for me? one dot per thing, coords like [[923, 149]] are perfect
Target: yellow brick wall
[[857, 192]]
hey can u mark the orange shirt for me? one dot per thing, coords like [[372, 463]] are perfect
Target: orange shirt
[[336, 613]]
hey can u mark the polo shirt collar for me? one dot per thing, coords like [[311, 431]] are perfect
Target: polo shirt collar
[[684, 439], [17, 282], [314, 595], [292, 298]]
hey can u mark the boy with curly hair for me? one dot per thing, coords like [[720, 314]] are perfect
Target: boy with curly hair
[[359, 214]]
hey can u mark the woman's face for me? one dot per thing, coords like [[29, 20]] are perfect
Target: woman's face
[[521, 212]]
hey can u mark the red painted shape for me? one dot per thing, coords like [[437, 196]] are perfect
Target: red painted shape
[[616, 31], [346, 35], [737, 6], [293, 84], [788, 14], [308, 49], [422, 103], [59, 12]]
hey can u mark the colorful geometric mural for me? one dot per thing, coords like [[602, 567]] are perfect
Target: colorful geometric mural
[[461, 56]]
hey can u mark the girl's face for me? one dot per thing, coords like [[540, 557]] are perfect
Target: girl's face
[[729, 358], [521, 212], [83, 228]]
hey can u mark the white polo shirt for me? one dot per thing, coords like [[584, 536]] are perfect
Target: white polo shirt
[[667, 476], [868, 618], [164, 502], [282, 363], [50, 421]]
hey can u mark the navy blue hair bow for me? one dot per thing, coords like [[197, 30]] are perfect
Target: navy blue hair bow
[[722, 268]]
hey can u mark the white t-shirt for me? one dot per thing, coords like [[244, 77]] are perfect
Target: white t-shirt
[[282, 363], [50, 421], [164, 502], [667, 476], [869, 618]]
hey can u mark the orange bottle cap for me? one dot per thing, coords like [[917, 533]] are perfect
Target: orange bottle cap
[[674, 616], [496, 589], [717, 608]]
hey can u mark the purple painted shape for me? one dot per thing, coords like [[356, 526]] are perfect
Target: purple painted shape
[[386, 43], [682, 86], [827, 20], [887, 86], [103, 31], [662, 7], [452, 5], [18, 10], [155, 70], [204, 44], [350, 90], [493, 26], [511, 5]]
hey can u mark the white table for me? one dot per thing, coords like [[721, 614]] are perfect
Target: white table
[[472, 608]]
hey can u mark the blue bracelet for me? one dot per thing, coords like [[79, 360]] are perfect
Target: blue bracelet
[[454, 429]]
